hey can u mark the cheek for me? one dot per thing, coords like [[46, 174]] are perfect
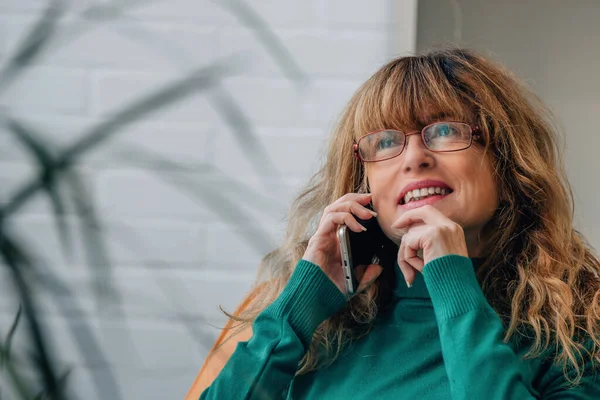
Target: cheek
[[487, 190], [380, 184], [488, 203]]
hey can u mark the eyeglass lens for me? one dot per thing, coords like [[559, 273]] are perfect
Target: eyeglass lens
[[440, 137]]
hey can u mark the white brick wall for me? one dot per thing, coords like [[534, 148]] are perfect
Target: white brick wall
[[174, 257]]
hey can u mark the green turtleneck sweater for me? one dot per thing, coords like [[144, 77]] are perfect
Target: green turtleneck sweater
[[440, 340]]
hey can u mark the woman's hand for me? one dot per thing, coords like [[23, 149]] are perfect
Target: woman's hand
[[323, 247], [429, 231]]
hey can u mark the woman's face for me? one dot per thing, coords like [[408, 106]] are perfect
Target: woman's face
[[467, 190]]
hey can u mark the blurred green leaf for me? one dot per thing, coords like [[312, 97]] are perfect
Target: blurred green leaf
[[32, 45], [168, 286], [46, 163], [45, 32], [247, 16], [148, 160], [58, 168], [91, 229], [112, 9], [214, 200], [98, 255], [228, 211], [15, 259], [105, 383], [193, 83], [84, 339], [5, 357], [62, 382], [199, 80], [93, 238], [232, 113], [16, 380]]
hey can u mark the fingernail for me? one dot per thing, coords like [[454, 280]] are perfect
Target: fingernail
[[408, 284], [373, 212], [362, 227]]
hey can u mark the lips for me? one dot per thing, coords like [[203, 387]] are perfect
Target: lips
[[423, 189]]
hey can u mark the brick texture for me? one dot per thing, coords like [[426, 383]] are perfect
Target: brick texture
[[177, 249]]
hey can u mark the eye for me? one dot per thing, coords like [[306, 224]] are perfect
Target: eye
[[387, 140], [380, 145], [444, 130], [386, 143]]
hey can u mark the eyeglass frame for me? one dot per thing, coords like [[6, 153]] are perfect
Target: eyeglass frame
[[475, 134]]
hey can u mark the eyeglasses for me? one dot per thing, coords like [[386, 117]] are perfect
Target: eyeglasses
[[439, 137]]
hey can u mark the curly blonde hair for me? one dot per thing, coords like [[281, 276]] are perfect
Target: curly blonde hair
[[540, 275]]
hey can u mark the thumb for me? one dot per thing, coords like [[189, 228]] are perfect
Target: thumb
[[371, 273]]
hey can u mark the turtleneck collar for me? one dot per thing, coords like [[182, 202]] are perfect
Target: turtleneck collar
[[418, 289]]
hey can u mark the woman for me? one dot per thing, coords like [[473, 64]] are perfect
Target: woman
[[494, 294]]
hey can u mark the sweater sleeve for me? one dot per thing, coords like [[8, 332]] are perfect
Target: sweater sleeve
[[264, 366], [478, 363]]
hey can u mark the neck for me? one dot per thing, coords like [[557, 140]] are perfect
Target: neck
[[475, 244]]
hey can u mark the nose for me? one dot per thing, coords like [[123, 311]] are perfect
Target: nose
[[416, 155]]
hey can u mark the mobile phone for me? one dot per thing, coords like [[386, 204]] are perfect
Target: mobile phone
[[363, 248]]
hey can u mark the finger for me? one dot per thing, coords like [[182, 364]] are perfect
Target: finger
[[335, 219], [353, 207], [411, 257], [412, 248], [359, 272], [407, 271], [369, 276], [426, 214], [362, 198]]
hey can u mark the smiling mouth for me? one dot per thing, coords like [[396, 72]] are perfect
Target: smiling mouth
[[423, 193]]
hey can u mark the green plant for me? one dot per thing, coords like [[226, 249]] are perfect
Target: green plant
[[59, 179]]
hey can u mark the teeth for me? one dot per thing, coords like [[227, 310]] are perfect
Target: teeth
[[418, 194]]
